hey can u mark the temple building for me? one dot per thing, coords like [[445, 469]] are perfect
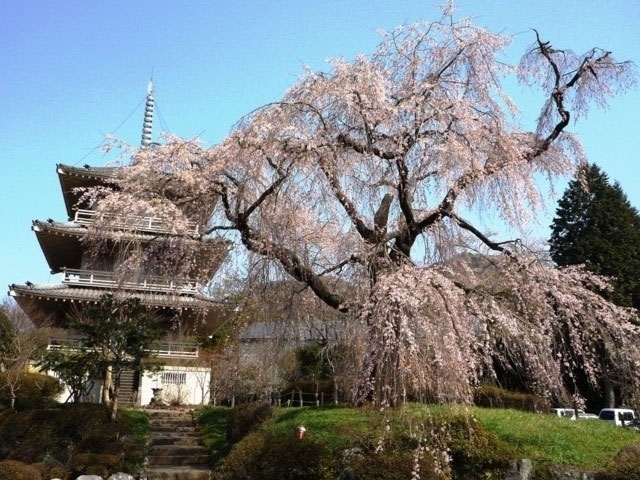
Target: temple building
[[178, 303]]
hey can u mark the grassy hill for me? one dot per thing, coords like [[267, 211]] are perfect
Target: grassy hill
[[477, 436]]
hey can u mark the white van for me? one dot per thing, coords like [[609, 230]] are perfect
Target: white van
[[623, 417], [571, 413], [564, 412]]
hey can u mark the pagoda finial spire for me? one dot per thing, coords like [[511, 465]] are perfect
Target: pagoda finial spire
[[147, 125]]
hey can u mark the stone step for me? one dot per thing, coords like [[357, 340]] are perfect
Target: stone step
[[177, 450], [182, 460], [170, 421], [178, 473], [175, 440], [162, 412], [172, 428], [173, 433]]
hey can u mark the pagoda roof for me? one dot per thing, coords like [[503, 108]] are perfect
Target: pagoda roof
[[61, 244], [50, 303], [82, 177], [61, 291], [87, 171]]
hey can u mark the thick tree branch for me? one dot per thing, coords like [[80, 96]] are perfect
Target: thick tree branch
[[497, 246], [365, 232]]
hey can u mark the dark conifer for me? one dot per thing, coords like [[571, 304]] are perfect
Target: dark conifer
[[596, 225]]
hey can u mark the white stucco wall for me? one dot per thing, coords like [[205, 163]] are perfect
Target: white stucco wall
[[95, 396], [187, 383]]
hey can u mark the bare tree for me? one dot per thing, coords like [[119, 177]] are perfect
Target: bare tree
[[21, 346]]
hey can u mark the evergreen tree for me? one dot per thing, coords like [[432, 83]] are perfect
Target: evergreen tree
[[117, 335], [596, 225]]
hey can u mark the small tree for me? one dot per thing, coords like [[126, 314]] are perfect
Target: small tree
[[7, 333], [20, 344], [117, 336], [79, 371]]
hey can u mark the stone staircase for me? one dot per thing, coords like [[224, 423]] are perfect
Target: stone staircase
[[127, 389], [176, 451]]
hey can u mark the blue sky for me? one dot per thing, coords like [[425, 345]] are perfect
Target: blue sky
[[73, 70]]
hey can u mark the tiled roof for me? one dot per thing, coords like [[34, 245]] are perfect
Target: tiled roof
[[315, 331], [87, 295], [73, 228], [74, 177], [90, 172]]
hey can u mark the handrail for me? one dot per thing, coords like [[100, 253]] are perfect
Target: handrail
[[103, 279], [160, 349], [135, 222]]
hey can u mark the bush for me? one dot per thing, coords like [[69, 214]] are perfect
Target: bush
[[58, 472], [244, 418], [51, 469], [624, 466], [94, 464], [391, 465], [34, 390], [27, 436], [272, 456], [474, 450], [494, 397], [82, 429], [14, 470]]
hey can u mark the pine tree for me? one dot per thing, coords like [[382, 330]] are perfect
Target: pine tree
[[598, 227]]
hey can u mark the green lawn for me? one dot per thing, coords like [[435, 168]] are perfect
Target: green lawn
[[545, 439], [213, 421], [549, 439], [138, 420]]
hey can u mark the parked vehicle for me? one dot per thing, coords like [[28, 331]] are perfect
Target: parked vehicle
[[571, 413], [623, 417], [587, 416], [564, 412]]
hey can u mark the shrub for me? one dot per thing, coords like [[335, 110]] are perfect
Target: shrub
[[624, 466], [99, 470], [494, 397], [58, 472], [34, 390], [14, 470], [82, 429], [272, 456], [244, 418], [213, 421], [51, 469], [95, 464], [474, 450], [392, 464], [27, 436]]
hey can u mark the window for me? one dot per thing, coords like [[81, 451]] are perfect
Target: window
[[607, 415], [173, 378]]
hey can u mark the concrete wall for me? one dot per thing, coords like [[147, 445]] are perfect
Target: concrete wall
[[95, 396], [188, 384]]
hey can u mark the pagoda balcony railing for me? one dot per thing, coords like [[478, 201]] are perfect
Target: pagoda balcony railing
[[160, 349], [139, 223], [101, 279]]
